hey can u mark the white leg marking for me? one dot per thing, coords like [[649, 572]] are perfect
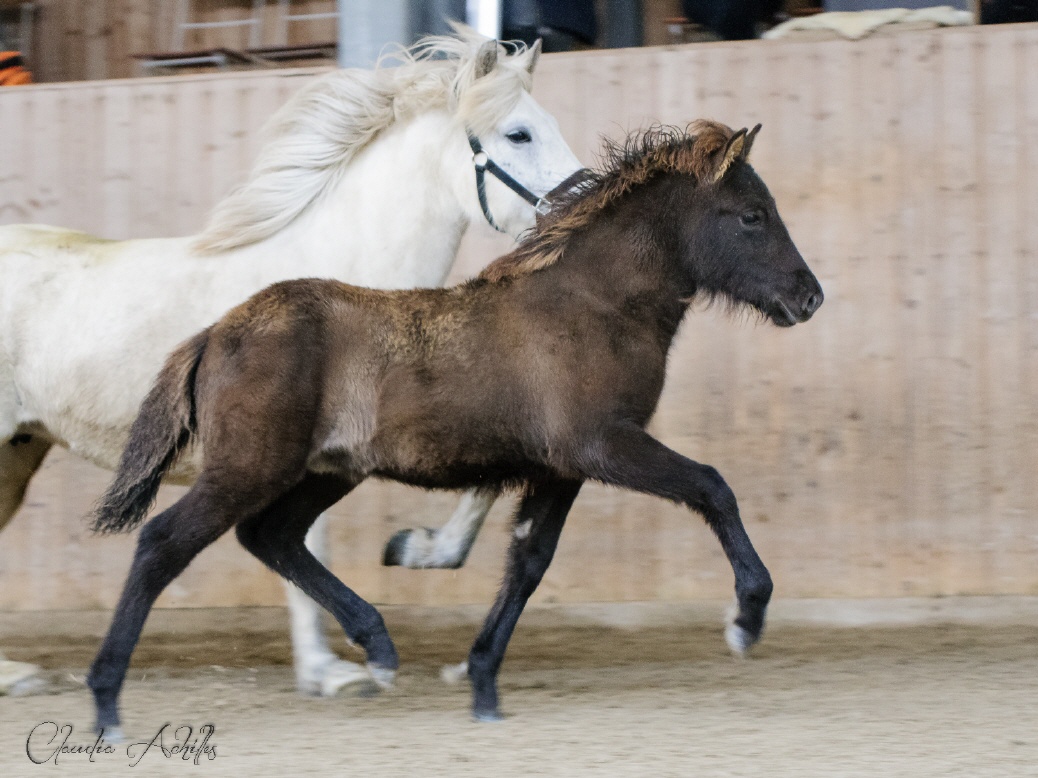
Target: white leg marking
[[738, 639], [19, 679], [115, 736], [382, 676], [454, 673], [319, 672], [449, 546]]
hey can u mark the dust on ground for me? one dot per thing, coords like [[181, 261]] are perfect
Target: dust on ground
[[908, 701]]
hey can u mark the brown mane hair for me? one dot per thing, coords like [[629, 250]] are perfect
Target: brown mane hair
[[623, 165]]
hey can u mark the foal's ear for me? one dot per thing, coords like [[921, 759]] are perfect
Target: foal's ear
[[749, 141], [736, 148], [535, 54], [486, 58]]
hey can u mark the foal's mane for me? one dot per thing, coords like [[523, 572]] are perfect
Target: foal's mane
[[623, 165], [316, 135]]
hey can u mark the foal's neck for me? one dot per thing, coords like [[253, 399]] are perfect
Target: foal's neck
[[623, 260]]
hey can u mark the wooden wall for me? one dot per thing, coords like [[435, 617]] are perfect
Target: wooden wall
[[83, 40], [80, 40], [886, 448]]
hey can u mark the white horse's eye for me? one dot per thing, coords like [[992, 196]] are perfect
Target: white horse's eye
[[519, 136]]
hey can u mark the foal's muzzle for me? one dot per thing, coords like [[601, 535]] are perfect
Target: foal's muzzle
[[800, 306]]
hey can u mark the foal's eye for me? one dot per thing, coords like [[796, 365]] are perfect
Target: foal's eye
[[751, 218], [519, 136]]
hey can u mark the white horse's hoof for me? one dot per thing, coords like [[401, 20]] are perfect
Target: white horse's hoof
[[332, 677], [382, 676], [20, 679], [453, 674], [350, 676]]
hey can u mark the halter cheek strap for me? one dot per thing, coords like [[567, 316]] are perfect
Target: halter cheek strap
[[484, 164]]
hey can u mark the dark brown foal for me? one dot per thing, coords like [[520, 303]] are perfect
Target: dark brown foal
[[542, 373]]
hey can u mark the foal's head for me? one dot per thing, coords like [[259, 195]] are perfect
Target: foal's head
[[732, 241], [693, 194]]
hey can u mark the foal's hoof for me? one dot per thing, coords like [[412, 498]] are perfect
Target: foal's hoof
[[739, 639], [453, 674], [487, 716], [113, 735]]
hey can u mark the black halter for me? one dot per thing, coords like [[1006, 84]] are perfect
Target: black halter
[[484, 164]]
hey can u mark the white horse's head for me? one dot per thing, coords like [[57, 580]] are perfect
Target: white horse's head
[[495, 108], [477, 87]]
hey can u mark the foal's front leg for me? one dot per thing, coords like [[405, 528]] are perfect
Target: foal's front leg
[[631, 458], [537, 527]]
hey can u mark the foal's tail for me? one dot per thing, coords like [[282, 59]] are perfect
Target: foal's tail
[[162, 429]]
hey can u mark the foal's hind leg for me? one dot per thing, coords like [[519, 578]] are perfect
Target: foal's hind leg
[[276, 537], [537, 528], [631, 458], [318, 670], [165, 546]]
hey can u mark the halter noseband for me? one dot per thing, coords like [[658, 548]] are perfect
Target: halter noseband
[[484, 164]]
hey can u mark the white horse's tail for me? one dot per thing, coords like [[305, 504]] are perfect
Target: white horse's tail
[[163, 427]]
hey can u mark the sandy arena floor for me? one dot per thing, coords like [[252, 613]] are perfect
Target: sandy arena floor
[[915, 701]]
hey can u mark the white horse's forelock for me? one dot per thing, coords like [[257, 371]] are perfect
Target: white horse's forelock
[[323, 127]]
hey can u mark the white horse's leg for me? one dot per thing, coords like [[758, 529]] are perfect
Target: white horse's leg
[[319, 672], [449, 546], [20, 458]]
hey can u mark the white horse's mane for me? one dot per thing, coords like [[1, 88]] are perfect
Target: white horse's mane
[[323, 127]]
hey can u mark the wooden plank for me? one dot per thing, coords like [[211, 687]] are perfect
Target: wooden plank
[[73, 47], [79, 165], [150, 166], [118, 186], [957, 312], [195, 196], [42, 152], [1004, 85], [1022, 510], [15, 105], [96, 34]]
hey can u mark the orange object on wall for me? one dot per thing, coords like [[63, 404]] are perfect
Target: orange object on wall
[[12, 69]]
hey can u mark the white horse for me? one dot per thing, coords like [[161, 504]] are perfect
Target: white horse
[[368, 177]]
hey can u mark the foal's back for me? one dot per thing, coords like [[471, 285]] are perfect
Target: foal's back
[[327, 373]]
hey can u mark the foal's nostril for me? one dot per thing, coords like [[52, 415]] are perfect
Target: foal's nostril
[[812, 303]]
